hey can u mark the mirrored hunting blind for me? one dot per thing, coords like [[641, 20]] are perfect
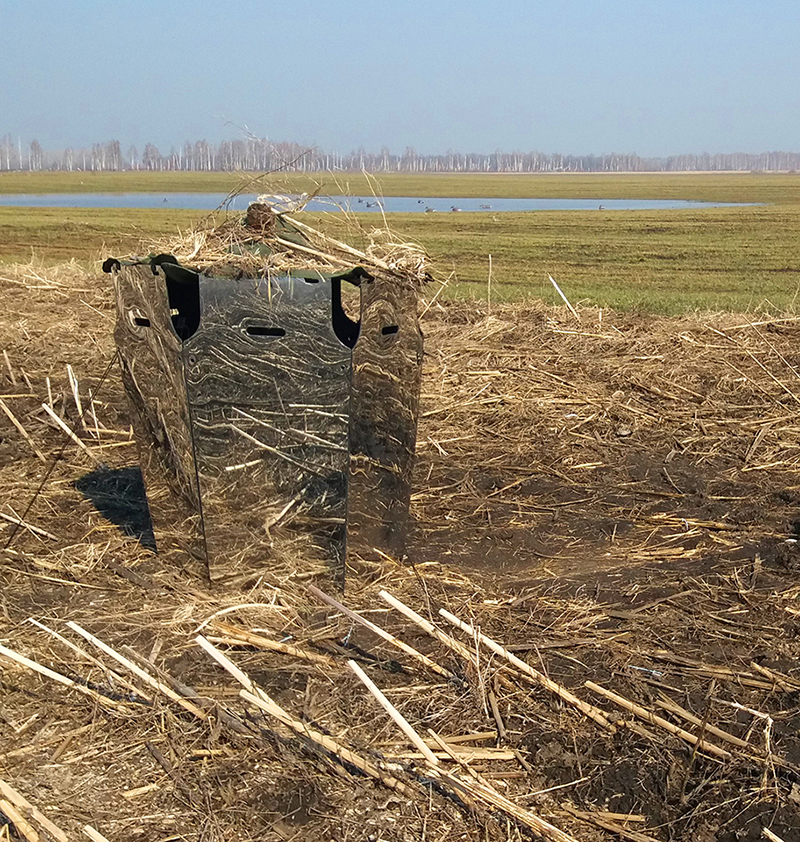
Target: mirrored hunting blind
[[269, 421]]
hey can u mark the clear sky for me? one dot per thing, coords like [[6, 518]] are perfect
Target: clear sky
[[655, 77]]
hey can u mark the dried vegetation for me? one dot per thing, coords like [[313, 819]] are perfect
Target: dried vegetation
[[613, 502], [268, 240]]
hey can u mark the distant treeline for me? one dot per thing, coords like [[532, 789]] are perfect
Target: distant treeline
[[263, 155]]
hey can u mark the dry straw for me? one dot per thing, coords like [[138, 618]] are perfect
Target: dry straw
[[608, 502], [270, 239]]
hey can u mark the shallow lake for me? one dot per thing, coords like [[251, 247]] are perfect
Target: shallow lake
[[365, 204]]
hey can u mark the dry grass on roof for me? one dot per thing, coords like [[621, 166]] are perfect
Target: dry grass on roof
[[268, 239]]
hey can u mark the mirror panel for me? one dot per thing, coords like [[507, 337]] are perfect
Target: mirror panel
[[387, 371], [152, 373], [268, 385]]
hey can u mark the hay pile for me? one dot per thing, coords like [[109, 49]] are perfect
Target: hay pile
[[268, 239], [614, 501]]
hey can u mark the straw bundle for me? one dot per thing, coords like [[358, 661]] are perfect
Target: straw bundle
[[268, 239]]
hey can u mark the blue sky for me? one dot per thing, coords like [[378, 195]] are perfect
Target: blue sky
[[646, 76]]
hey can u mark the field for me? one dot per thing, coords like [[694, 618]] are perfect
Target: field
[[733, 259], [615, 499], [712, 187], [612, 496]]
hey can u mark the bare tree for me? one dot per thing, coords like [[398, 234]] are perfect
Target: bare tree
[[36, 156]]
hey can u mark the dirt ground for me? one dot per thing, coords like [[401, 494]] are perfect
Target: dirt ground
[[616, 501]]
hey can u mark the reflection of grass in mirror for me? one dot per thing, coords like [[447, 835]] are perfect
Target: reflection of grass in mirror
[[351, 301], [665, 261]]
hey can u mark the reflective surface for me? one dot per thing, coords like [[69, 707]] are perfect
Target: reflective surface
[[355, 204], [271, 427], [268, 384], [152, 373], [387, 369]]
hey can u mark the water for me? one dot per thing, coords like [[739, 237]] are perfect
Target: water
[[361, 204]]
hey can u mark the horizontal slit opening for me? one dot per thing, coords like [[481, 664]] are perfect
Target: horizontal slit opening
[[390, 330], [262, 330], [140, 321]]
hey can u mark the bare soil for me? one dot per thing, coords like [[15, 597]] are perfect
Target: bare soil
[[616, 501]]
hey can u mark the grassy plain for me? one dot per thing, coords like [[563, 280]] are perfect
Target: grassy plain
[[668, 262], [719, 187], [745, 258], [54, 234]]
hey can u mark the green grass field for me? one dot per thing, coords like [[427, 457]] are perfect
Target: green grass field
[[780, 188], [666, 261], [670, 262]]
